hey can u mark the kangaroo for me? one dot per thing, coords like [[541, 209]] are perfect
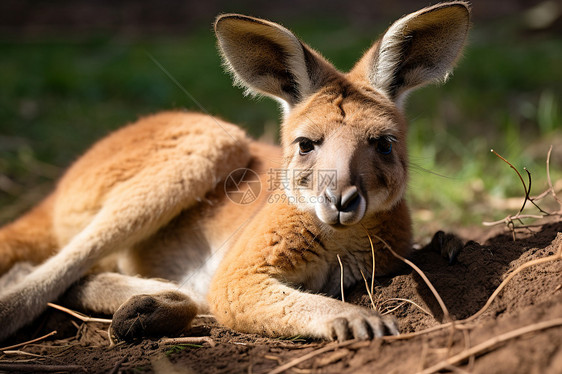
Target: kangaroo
[[147, 224]]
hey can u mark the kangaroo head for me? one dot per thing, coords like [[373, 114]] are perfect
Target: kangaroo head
[[343, 134]]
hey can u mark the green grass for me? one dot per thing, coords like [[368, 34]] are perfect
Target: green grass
[[504, 95], [59, 96], [294, 339]]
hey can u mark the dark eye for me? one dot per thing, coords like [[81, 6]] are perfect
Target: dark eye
[[305, 146], [383, 145]]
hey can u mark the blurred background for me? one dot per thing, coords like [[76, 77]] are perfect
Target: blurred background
[[73, 71]]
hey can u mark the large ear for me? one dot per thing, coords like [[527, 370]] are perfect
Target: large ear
[[268, 59], [418, 49]]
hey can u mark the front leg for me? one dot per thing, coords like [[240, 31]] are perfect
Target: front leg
[[258, 286], [263, 305]]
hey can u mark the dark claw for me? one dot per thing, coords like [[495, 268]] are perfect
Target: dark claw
[[360, 329], [391, 325], [341, 329], [377, 327]]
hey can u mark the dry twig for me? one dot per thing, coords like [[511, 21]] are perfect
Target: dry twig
[[295, 362], [446, 314], [373, 259], [189, 340], [550, 189], [510, 220], [484, 346], [16, 366], [80, 316], [28, 342], [372, 290], [22, 353], [390, 310], [554, 257], [408, 301], [35, 356], [467, 345], [341, 278], [368, 292]]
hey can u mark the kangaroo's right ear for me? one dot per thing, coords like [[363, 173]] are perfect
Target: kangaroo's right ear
[[418, 49], [268, 59]]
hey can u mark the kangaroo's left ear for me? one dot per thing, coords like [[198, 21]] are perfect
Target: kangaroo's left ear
[[418, 49], [268, 59]]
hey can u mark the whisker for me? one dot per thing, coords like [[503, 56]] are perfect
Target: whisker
[[419, 168]]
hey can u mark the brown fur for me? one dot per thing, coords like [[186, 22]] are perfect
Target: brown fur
[[30, 238], [143, 220]]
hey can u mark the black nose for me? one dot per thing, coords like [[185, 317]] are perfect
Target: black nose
[[344, 201]]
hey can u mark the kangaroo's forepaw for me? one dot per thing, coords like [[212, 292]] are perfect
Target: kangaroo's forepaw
[[362, 325], [449, 245], [164, 314]]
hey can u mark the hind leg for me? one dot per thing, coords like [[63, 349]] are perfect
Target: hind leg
[[132, 210], [16, 274], [140, 307], [126, 219]]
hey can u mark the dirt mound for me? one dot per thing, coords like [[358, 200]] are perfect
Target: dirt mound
[[534, 295]]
